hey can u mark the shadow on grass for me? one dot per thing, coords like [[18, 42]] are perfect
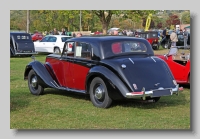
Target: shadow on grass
[[18, 102], [166, 101]]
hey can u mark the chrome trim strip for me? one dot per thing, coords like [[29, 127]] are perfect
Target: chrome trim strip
[[153, 59], [131, 60], [54, 85]]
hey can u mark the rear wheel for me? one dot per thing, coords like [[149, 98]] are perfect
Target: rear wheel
[[99, 94], [33, 85]]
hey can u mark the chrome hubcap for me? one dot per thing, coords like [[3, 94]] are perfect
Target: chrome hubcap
[[34, 82], [98, 92]]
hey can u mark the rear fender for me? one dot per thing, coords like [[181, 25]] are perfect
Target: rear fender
[[116, 88], [44, 77]]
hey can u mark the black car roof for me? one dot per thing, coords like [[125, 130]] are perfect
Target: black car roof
[[18, 33], [105, 38], [101, 39]]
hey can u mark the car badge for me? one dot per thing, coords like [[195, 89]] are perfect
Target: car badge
[[123, 66], [135, 86], [157, 84]]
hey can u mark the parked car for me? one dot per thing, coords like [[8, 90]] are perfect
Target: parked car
[[107, 68], [37, 36], [21, 44], [51, 43], [152, 37], [179, 64], [166, 42]]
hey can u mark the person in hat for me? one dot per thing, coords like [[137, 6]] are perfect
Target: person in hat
[[173, 38]]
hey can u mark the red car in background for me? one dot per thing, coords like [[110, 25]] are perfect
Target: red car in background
[[37, 36], [179, 64], [151, 37]]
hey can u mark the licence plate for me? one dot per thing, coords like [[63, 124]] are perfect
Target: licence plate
[[158, 93]]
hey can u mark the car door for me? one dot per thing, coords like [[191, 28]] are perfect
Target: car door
[[50, 44], [40, 45], [82, 62], [75, 64]]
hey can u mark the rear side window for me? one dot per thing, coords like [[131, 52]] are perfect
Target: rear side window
[[83, 50], [52, 39]]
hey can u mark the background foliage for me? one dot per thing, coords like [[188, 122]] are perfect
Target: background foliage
[[93, 20]]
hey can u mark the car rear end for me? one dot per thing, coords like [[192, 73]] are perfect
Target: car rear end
[[23, 44], [145, 77]]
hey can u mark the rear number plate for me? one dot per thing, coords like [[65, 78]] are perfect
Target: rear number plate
[[158, 93]]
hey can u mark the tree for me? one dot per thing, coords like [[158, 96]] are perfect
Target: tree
[[173, 20], [18, 19], [185, 17], [159, 25], [105, 17], [28, 21]]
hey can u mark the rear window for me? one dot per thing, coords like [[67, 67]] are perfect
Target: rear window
[[152, 35], [21, 37], [65, 38], [123, 47]]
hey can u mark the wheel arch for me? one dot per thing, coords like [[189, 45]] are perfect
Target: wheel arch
[[45, 78], [116, 88], [56, 47]]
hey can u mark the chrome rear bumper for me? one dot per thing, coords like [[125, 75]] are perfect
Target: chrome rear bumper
[[155, 93], [26, 53]]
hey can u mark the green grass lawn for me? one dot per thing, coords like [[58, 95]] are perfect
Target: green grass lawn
[[63, 110]]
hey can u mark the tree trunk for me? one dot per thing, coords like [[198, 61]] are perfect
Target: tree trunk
[[105, 19], [28, 21], [105, 28]]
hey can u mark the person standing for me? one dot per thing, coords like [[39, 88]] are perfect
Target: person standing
[[55, 32], [115, 32], [78, 34], [63, 32], [173, 38], [164, 33], [185, 35]]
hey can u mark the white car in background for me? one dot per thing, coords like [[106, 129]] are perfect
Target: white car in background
[[51, 43]]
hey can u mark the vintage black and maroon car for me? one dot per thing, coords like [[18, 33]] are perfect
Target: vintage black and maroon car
[[107, 68]]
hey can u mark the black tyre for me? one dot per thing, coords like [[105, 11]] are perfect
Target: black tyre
[[33, 85], [155, 47], [56, 50], [98, 93]]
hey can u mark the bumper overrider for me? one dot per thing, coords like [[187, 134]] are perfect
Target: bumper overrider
[[155, 93]]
